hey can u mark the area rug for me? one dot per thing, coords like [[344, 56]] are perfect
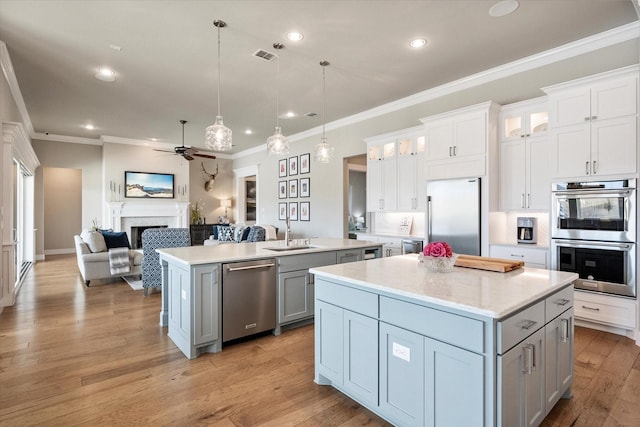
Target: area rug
[[134, 281]]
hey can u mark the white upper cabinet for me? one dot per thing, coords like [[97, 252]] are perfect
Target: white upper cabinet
[[525, 169], [395, 171], [412, 187], [594, 125], [524, 119], [382, 169], [457, 142]]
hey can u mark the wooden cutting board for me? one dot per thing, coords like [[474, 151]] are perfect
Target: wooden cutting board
[[485, 263]]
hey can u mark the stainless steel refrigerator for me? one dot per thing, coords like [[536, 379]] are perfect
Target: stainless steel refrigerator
[[453, 214]]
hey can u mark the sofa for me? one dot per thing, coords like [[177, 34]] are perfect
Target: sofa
[[94, 264], [239, 233]]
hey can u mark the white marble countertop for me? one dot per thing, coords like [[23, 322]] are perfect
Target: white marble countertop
[[485, 293], [234, 252]]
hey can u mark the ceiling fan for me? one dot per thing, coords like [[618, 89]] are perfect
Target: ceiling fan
[[188, 152]]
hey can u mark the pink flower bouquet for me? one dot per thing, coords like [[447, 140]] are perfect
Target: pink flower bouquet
[[438, 257]]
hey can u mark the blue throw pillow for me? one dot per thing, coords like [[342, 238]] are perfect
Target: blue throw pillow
[[116, 239], [225, 233]]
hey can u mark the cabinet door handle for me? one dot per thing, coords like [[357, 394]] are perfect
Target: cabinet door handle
[[450, 151], [595, 171], [530, 324], [586, 167], [522, 200], [529, 354], [590, 308], [517, 255], [586, 119], [594, 117], [564, 330], [528, 200], [563, 302], [455, 149]]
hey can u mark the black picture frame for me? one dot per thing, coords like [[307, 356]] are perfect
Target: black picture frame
[[282, 211], [293, 188], [293, 165], [149, 185], [305, 211], [305, 187], [293, 211], [305, 163], [282, 189], [282, 168]]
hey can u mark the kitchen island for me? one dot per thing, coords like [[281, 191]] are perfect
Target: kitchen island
[[193, 281], [468, 348]]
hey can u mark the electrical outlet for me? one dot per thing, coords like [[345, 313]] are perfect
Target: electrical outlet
[[401, 352]]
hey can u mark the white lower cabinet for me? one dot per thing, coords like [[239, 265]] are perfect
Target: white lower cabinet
[[532, 256], [607, 310]]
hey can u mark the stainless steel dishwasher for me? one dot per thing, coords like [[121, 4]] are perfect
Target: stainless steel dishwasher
[[248, 298]]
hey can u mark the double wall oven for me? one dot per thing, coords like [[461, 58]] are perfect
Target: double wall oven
[[593, 233]]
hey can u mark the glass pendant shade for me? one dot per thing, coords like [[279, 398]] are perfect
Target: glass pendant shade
[[323, 152], [278, 144], [218, 136]]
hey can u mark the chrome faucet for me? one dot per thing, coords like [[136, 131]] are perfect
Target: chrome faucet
[[287, 232]]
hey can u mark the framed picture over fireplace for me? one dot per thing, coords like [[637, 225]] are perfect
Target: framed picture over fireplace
[[148, 185]]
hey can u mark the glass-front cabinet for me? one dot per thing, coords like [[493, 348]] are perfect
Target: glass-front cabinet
[[524, 119]]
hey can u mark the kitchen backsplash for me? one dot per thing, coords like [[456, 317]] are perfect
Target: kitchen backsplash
[[389, 223]]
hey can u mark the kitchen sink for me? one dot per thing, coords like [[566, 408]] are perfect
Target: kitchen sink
[[291, 248]]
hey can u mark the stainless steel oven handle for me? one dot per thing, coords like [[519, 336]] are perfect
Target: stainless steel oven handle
[[593, 245], [564, 194]]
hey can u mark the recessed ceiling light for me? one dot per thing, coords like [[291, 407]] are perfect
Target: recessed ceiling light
[[153, 139], [115, 47], [89, 127], [248, 132], [417, 43], [503, 8], [287, 115], [106, 75], [295, 36]]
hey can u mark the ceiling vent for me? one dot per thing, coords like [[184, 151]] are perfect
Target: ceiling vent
[[310, 114], [266, 55]]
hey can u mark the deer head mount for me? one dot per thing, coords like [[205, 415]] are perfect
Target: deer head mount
[[210, 179]]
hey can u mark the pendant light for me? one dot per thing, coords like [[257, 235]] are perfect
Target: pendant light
[[277, 144], [323, 151], [218, 136]]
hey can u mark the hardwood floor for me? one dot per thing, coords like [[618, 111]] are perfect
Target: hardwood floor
[[71, 355]]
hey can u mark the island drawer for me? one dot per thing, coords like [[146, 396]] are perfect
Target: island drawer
[[514, 329], [348, 298], [304, 261], [450, 328], [557, 303]]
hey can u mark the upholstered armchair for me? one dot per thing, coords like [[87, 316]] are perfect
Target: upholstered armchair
[[156, 238]]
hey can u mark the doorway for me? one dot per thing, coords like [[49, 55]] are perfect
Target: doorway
[[355, 214]]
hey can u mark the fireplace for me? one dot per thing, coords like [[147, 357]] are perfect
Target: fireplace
[[123, 216], [136, 234]]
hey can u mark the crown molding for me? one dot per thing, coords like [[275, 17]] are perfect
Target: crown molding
[[66, 138], [10, 75], [598, 41], [14, 133]]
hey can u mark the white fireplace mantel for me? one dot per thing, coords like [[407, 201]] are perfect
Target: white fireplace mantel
[[121, 215]]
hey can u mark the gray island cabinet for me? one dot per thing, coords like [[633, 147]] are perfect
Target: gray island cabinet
[[467, 348], [193, 285]]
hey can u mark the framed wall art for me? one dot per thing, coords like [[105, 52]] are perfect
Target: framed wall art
[[305, 190], [305, 214], [282, 189], [293, 211], [293, 188], [305, 163], [282, 211], [282, 168], [293, 165]]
